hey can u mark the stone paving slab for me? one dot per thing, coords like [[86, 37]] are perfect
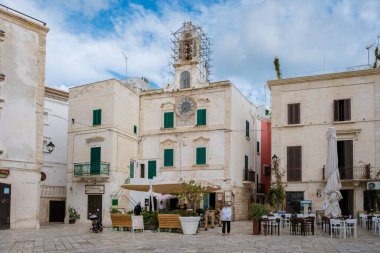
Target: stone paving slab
[[77, 238]]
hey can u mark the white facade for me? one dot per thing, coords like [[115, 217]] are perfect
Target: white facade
[[53, 188], [22, 57], [112, 140], [316, 96]]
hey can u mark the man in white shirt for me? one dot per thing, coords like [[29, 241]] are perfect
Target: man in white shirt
[[226, 218]]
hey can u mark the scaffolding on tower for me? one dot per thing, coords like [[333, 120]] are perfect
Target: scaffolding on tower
[[204, 57]]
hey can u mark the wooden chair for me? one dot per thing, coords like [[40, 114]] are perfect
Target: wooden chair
[[168, 221], [121, 221]]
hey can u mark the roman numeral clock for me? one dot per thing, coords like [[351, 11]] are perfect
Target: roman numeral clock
[[185, 108]]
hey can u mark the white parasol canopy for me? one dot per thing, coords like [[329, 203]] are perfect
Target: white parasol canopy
[[331, 203]]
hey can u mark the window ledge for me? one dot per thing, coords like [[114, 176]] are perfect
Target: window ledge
[[343, 122], [200, 125], [294, 125], [200, 165]]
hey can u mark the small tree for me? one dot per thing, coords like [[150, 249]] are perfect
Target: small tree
[[276, 193], [191, 193], [276, 63]]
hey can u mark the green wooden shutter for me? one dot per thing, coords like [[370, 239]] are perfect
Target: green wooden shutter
[[131, 169], [168, 157], [201, 156], [135, 129], [246, 167], [97, 117], [257, 146], [95, 160], [115, 202], [247, 128], [151, 169], [201, 117], [168, 119]]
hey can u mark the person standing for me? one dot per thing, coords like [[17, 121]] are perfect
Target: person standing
[[226, 218], [137, 210]]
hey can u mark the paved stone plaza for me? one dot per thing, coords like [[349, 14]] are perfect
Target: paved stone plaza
[[76, 238]]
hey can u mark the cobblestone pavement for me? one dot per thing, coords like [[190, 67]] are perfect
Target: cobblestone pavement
[[77, 238]]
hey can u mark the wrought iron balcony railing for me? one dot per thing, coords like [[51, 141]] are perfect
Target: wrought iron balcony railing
[[249, 175], [361, 172], [260, 188], [91, 169]]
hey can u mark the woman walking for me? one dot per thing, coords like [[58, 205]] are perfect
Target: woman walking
[[226, 219]]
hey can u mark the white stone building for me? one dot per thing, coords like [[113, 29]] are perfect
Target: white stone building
[[22, 68], [190, 129], [102, 142], [53, 184], [302, 110]]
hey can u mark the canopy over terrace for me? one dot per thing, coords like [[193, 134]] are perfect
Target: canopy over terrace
[[166, 187]]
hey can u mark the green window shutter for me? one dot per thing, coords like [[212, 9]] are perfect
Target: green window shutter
[[151, 169], [97, 117], [131, 169], [246, 167], [247, 128], [95, 160], [258, 147], [201, 156], [135, 129], [168, 119], [168, 157], [115, 202], [201, 117]]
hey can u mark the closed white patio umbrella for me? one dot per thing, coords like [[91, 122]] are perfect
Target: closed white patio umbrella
[[331, 202]]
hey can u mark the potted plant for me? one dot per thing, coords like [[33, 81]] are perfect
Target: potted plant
[[191, 193], [256, 211], [150, 220], [73, 215]]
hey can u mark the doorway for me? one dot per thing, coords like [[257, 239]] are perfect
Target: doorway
[[5, 206], [94, 203], [347, 203], [56, 211]]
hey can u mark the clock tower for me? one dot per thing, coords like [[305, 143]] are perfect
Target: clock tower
[[191, 58]]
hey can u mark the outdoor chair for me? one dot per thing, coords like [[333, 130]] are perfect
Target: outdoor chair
[[296, 226], [308, 225], [363, 218], [336, 227], [351, 227], [287, 219], [274, 225]]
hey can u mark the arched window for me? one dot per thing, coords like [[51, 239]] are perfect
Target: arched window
[[185, 80]]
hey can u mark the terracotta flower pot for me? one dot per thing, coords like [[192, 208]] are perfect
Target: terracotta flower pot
[[256, 227]]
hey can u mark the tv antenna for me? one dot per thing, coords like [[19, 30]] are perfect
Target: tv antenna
[[126, 66], [368, 48]]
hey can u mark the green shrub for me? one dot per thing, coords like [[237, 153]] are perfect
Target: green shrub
[[257, 210], [73, 215], [150, 217], [115, 211]]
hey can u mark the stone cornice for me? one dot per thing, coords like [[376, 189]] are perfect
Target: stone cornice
[[324, 77], [56, 94], [19, 20], [222, 84]]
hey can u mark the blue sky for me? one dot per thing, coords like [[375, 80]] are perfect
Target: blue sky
[[88, 38]]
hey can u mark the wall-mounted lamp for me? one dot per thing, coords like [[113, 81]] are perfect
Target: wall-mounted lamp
[[274, 159], [50, 148]]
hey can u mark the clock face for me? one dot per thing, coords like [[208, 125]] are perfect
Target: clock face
[[185, 107]]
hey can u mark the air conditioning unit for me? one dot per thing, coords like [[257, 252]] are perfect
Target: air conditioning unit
[[373, 186]]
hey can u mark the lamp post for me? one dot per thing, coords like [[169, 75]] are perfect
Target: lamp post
[[50, 148]]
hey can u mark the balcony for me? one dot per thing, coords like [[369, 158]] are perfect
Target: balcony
[[260, 188], [248, 176], [359, 173], [92, 170]]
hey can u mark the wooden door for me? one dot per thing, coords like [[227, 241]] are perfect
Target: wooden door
[[5, 206], [56, 211], [94, 203]]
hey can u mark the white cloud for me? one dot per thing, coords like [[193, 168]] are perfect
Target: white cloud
[[246, 36]]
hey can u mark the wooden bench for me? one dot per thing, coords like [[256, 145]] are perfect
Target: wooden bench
[[121, 221], [168, 221]]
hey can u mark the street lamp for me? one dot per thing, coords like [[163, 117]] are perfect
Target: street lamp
[[274, 159], [50, 148]]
